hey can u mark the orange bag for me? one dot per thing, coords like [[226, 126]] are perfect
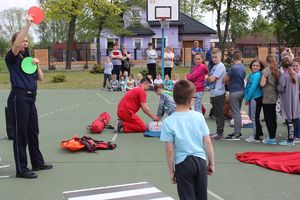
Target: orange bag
[[72, 145]]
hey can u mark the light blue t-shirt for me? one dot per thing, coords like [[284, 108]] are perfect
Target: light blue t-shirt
[[186, 130], [218, 87]]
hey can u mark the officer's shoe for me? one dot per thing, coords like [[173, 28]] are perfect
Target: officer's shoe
[[43, 167], [27, 174]]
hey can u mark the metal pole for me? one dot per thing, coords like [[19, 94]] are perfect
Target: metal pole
[[163, 54]]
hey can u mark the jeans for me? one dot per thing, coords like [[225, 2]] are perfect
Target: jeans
[[198, 102], [105, 78], [236, 99], [254, 113], [218, 111]]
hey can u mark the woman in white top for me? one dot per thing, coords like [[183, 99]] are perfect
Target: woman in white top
[[116, 58], [151, 60], [169, 61]]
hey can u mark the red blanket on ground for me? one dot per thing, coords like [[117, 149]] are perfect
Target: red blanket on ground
[[288, 162]]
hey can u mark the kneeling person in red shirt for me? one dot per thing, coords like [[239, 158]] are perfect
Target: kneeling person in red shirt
[[130, 104]]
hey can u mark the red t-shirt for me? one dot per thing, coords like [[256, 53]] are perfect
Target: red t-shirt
[[132, 100]]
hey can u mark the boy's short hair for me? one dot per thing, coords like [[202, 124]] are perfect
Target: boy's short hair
[[158, 86], [216, 51], [237, 55], [183, 92], [145, 80]]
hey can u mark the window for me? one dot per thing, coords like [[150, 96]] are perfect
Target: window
[[137, 43], [157, 42], [110, 42]]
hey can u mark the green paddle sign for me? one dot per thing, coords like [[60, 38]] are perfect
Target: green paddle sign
[[27, 66]]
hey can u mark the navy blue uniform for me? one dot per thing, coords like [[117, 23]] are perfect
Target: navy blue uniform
[[22, 102]]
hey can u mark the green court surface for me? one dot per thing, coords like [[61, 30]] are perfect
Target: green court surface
[[64, 113]]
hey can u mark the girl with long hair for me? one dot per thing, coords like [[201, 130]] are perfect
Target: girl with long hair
[[268, 82], [253, 99]]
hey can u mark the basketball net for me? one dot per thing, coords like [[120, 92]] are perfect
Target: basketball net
[[164, 23]]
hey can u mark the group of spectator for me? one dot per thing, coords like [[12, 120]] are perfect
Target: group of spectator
[[273, 81]]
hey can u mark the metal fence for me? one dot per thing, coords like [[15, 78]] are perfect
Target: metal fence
[[182, 55], [91, 54]]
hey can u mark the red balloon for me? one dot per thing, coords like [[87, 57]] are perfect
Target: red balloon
[[37, 14]]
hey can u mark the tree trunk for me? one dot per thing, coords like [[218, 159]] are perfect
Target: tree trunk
[[227, 22], [71, 33], [100, 27], [219, 24]]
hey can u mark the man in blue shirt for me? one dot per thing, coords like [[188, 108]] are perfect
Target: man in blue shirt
[[209, 56], [196, 49], [21, 101]]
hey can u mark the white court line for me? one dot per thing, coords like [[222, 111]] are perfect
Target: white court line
[[114, 195], [4, 166], [114, 186], [214, 195], [114, 137], [102, 97]]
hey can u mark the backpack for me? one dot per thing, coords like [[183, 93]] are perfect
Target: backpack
[[73, 144], [88, 143], [92, 145], [100, 123]]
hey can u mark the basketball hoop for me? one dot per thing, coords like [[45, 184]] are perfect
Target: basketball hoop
[[164, 22]]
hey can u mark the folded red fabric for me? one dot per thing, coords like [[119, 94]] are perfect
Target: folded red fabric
[[288, 162]]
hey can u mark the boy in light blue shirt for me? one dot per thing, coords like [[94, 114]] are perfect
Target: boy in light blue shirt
[[217, 92], [185, 134]]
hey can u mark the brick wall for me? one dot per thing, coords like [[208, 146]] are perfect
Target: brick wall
[[42, 55]]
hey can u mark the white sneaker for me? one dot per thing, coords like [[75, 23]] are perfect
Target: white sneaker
[[296, 140], [251, 139]]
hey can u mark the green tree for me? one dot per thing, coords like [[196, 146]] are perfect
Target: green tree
[[11, 21], [69, 11], [238, 25], [4, 45], [52, 31], [262, 27], [191, 8], [96, 19], [225, 10], [286, 18]]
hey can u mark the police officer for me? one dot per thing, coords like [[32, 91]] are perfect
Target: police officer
[[21, 101]]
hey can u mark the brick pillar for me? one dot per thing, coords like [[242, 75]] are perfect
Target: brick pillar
[[42, 55]]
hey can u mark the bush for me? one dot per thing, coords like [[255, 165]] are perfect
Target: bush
[[58, 78], [144, 73], [97, 69]]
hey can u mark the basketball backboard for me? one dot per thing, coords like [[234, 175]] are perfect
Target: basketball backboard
[[158, 9]]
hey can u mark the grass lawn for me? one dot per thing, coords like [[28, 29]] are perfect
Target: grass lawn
[[2, 65], [77, 79]]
